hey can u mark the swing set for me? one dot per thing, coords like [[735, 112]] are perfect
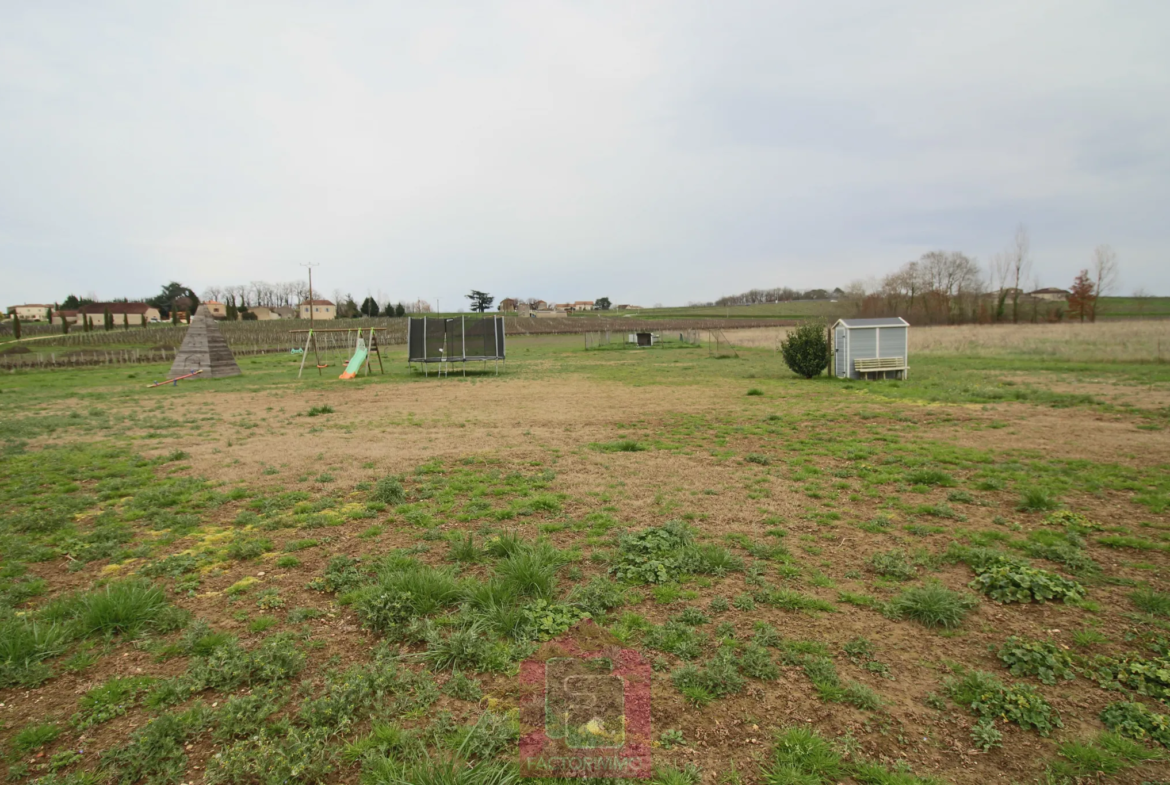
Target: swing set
[[349, 347]]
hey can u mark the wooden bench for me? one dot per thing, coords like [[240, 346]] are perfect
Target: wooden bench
[[881, 365]]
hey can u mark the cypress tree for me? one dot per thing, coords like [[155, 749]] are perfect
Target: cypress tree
[[16, 326], [107, 320], [125, 321], [64, 325]]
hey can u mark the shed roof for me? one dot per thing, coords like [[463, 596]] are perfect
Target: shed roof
[[889, 321]]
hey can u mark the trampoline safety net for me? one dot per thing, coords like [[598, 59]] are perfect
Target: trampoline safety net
[[457, 339]]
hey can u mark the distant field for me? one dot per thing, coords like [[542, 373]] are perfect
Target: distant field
[[1110, 308], [1105, 342], [800, 309]]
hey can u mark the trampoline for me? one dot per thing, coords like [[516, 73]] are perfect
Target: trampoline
[[455, 340]]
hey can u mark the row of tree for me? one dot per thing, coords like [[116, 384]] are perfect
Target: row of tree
[[949, 287], [780, 294]]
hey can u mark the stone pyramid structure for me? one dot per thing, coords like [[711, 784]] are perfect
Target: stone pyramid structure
[[204, 348]]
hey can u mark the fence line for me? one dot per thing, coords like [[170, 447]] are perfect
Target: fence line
[[270, 337]]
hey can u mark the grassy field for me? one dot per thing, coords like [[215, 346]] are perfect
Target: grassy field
[[961, 577], [1110, 308]]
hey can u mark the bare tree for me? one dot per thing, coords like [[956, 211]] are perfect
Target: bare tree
[[1141, 296], [1020, 265], [1105, 275], [999, 273], [212, 293]]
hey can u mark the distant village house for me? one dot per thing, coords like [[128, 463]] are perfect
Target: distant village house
[[318, 309], [31, 312], [136, 314], [1050, 293]]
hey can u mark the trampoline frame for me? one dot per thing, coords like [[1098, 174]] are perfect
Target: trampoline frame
[[444, 361]]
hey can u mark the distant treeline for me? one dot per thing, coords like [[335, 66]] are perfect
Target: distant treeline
[[949, 287], [780, 294]]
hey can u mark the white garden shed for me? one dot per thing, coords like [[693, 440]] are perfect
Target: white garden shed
[[871, 348]]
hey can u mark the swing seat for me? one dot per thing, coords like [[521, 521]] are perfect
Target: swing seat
[[323, 366]]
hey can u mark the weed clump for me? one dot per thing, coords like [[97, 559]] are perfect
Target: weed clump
[[991, 699], [893, 564], [388, 490], [1136, 721], [1150, 601], [24, 646], [932, 605], [1008, 583], [1041, 659], [1108, 754]]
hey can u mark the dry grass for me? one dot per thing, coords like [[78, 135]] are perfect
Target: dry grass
[[1134, 341], [1123, 341]]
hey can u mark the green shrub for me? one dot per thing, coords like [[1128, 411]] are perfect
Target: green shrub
[[1042, 659], [932, 605], [806, 349], [1136, 721], [317, 411], [1017, 583]]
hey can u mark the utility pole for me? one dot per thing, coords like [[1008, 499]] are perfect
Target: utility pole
[[312, 337]]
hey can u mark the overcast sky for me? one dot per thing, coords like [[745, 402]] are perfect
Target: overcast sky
[[649, 152]]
